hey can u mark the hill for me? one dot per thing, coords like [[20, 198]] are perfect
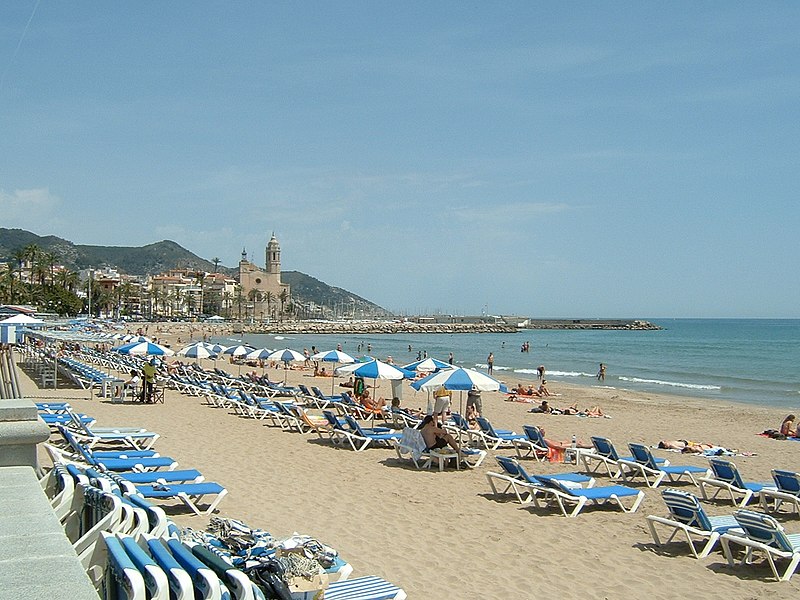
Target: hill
[[162, 256]]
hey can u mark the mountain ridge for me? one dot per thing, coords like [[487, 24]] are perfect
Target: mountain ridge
[[158, 257]]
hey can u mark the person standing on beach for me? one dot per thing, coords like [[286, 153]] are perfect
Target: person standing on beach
[[601, 374], [540, 370], [490, 362]]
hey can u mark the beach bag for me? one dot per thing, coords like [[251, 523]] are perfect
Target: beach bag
[[269, 576]]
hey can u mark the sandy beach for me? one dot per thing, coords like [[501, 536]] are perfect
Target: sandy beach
[[442, 535]]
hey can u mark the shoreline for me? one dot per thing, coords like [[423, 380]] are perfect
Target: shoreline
[[178, 334]]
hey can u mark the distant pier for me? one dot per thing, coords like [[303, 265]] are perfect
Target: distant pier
[[412, 327]]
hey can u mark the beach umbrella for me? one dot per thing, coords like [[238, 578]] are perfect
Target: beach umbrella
[[259, 354], [286, 356], [21, 319], [197, 351], [428, 365], [459, 379], [334, 356], [144, 348], [239, 350], [375, 369], [215, 348]]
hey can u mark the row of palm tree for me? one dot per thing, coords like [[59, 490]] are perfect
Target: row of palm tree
[[33, 279]]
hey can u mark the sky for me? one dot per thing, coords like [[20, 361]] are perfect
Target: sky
[[548, 159]]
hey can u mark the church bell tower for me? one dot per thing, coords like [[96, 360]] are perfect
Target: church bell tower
[[274, 256]]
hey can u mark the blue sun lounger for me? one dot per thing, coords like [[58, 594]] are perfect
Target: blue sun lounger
[[686, 514], [646, 465]]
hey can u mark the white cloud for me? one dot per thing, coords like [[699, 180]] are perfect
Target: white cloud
[[24, 204]]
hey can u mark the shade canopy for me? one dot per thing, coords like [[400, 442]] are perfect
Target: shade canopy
[[144, 348], [259, 354], [287, 355], [374, 369], [459, 379], [21, 319], [336, 356], [239, 350], [428, 365], [198, 350]]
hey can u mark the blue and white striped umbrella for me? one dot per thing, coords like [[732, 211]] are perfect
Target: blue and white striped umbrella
[[428, 365], [459, 379], [336, 356], [133, 339], [145, 348], [287, 355], [375, 369], [215, 348], [197, 350], [259, 354], [239, 350]]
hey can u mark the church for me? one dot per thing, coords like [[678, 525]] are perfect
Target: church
[[263, 288]]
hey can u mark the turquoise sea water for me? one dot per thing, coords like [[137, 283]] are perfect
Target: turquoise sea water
[[745, 360]]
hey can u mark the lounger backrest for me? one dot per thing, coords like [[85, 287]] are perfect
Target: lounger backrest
[[604, 447], [787, 481], [486, 427], [123, 579], [76, 445], [332, 420], [535, 435], [203, 578], [686, 508], [509, 465], [354, 425], [154, 577], [460, 421], [725, 470], [763, 528], [642, 455], [180, 582]]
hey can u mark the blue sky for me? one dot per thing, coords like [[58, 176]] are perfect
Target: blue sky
[[575, 159]]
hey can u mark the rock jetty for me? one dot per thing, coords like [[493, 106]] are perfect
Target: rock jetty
[[377, 327]]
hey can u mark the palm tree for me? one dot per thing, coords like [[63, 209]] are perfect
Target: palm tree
[[239, 299], [40, 269], [269, 297], [67, 279], [283, 297], [19, 256], [255, 297], [227, 302], [49, 258], [31, 252], [216, 262]]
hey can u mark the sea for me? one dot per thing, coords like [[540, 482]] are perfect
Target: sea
[[743, 360]]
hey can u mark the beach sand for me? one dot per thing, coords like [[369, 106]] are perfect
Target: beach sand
[[442, 535]]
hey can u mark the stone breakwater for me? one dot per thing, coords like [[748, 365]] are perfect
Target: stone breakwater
[[378, 327]]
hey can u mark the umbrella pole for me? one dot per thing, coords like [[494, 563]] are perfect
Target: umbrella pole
[[333, 378]]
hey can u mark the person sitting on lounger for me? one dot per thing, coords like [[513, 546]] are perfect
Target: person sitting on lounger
[[371, 404], [435, 437], [563, 444]]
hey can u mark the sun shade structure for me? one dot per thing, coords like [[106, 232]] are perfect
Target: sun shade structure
[[144, 348]]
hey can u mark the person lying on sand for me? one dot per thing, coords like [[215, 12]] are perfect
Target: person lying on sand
[[690, 447]]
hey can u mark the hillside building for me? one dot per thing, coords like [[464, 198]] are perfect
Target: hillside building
[[262, 289]]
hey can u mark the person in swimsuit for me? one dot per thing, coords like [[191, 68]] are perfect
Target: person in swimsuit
[[435, 437]]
